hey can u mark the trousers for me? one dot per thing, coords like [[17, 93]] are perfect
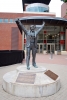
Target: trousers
[[28, 50]]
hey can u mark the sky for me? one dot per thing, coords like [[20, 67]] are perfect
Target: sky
[[16, 6]]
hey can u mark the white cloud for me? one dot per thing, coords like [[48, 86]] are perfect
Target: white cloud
[[55, 6], [11, 6]]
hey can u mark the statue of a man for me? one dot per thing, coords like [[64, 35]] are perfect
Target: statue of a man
[[31, 42]]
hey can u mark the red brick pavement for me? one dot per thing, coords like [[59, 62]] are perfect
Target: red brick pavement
[[57, 59]]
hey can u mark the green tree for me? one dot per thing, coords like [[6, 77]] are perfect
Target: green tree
[[64, 0]]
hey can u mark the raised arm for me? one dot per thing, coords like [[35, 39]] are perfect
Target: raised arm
[[41, 27], [22, 26]]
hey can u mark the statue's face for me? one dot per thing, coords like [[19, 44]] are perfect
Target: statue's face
[[32, 28]]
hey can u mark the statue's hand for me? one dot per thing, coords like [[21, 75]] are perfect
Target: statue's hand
[[18, 20]]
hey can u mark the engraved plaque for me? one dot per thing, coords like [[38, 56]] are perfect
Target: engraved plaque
[[26, 78], [51, 75]]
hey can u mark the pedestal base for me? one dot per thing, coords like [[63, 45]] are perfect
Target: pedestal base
[[36, 82]]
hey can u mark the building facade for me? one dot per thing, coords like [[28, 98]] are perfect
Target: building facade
[[10, 37], [50, 39], [64, 15]]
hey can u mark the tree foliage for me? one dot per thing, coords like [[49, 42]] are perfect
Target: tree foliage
[[64, 0]]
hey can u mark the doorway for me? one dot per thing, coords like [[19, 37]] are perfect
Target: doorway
[[40, 48], [50, 47]]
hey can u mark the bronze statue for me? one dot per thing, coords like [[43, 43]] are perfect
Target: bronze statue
[[31, 42]]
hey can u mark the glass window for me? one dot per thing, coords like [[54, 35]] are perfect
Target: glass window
[[44, 46], [57, 46], [44, 36], [62, 28], [64, 47], [1, 20], [63, 36], [38, 9], [6, 20], [40, 41], [11, 20], [40, 36]]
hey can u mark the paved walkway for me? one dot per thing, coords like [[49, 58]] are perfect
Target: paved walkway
[[58, 65], [56, 59]]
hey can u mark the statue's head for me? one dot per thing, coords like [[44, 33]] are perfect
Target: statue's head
[[32, 27]]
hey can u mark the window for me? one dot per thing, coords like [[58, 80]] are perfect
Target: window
[[11, 21], [38, 9], [6, 20], [1, 20]]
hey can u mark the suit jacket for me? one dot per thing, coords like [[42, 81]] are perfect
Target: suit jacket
[[28, 40], [28, 34]]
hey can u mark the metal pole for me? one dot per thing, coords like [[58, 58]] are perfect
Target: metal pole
[[51, 55]]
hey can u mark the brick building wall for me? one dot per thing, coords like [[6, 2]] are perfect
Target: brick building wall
[[64, 10], [64, 15], [6, 30], [66, 40]]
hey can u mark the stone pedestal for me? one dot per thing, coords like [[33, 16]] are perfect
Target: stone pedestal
[[36, 82]]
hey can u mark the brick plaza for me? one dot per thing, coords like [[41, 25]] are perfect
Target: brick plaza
[[58, 65]]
